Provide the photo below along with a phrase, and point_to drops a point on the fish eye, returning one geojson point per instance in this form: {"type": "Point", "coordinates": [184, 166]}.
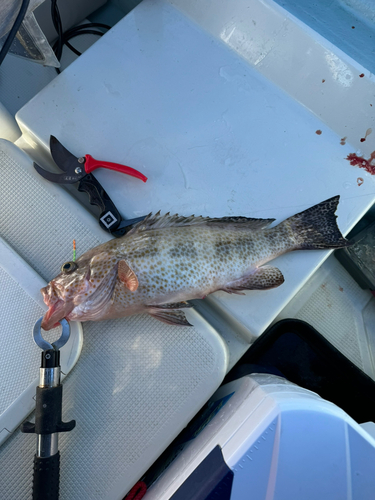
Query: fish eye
{"type": "Point", "coordinates": [68, 267]}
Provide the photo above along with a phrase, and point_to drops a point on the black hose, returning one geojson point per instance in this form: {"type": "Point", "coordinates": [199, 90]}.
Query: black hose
{"type": "Point", "coordinates": [63, 38]}
{"type": "Point", "coordinates": [56, 19]}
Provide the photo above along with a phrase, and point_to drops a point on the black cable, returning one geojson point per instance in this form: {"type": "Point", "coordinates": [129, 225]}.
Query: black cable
{"type": "Point", "coordinates": [73, 35]}
{"type": "Point", "coordinates": [12, 33]}
{"type": "Point", "coordinates": [82, 30]}
{"type": "Point", "coordinates": [88, 25]}
{"type": "Point", "coordinates": [73, 49]}
{"type": "Point", "coordinates": [63, 38]}
{"type": "Point", "coordinates": [86, 32]}
{"type": "Point", "coordinates": [56, 19]}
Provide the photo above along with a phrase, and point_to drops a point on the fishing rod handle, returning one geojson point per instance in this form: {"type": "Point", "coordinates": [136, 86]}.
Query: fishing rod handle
{"type": "Point", "coordinates": [46, 480]}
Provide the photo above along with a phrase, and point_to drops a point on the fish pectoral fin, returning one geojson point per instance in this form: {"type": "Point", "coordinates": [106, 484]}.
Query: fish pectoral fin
{"type": "Point", "coordinates": [263, 278]}
{"type": "Point", "coordinates": [169, 317]}
{"type": "Point", "coordinates": [127, 276]}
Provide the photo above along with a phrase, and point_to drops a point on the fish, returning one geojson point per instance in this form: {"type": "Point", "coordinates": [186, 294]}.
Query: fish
{"type": "Point", "coordinates": [167, 260]}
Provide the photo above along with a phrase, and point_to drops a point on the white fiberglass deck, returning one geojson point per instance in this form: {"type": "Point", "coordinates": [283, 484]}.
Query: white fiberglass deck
{"type": "Point", "coordinates": [229, 109]}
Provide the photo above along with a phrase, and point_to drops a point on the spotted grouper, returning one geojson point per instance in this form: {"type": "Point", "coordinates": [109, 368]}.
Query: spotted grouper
{"type": "Point", "coordinates": [164, 261]}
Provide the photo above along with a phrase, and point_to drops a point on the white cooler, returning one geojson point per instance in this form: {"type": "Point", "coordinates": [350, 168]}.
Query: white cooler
{"type": "Point", "coordinates": [264, 438]}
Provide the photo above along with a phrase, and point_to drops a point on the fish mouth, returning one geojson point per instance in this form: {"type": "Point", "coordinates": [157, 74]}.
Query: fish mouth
{"type": "Point", "coordinates": [58, 308]}
{"type": "Point", "coordinates": [81, 306]}
{"type": "Point", "coordinates": [52, 316]}
{"type": "Point", "coordinates": [55, 314]}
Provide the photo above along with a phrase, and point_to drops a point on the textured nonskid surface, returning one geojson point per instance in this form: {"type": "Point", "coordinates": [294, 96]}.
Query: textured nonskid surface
{"type": "Point", "coordinates": [18, 313]}
{"type": "Point", "coordinates": [132, 376]}
{"type": "Point", "coordinates": [333, 303]}
{"type": "Point", "coordinates": [137, 382]}
{"type": "Point", "coordinates": [34, 223]}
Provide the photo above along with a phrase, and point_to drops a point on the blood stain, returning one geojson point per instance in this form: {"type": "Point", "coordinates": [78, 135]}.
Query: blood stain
{"type": "Point", "coordinates": [368, 132]}
{"type": "Point", "coordinates": [353, 27]}
{"type": "Point", "coordinates": [318, 132]}
{"type": "Point", "coordinates": [359, 181]}
{"type": "Point", "coordinates": [323, 80]}
{"type": "Point", "coordinates": [343, 141]}
{"type": "Point", "coordinates": [361, 75]}
{"type": "Point", "coordinates": [341, 289]}
{"type": "Point", "coordinates": [359, 161]}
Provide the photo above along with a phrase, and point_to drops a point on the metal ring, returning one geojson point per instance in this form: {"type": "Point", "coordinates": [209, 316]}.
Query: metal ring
{"type": "Point", "coordinates": [43, 344]}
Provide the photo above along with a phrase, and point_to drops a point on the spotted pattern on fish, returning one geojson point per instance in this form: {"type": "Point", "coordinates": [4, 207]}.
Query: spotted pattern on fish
{"type": "Point", "coordinates": [175, 259]}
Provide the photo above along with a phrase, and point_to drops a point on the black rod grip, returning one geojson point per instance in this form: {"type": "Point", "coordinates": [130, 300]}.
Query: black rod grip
{"type": "Point", "coordinates": [46, 477]}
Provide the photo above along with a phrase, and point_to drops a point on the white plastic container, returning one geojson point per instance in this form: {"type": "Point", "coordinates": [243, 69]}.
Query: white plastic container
{"type": "Point", "coordinates": [281, 442]}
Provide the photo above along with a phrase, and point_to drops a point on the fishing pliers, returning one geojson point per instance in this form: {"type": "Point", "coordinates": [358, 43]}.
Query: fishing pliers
{"type": "Point", "coordinates": [79, 170]}
{"type": "Point", "coordinates": [48, 422]}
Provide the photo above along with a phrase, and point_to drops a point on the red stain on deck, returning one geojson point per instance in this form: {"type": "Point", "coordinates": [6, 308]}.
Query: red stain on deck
{"type": "Point", "coordinates": [318, 132]}
{"type": "Point", "coordinates": [360, 161]}
{"type": "Point", "coordinates": [359, 181]}
{"type": "Point", "coordinates": [343, 141]}
{"type": "Point", "coordinates": [361, 75]}
{"type": "Point", "coordinates": [368, 132]}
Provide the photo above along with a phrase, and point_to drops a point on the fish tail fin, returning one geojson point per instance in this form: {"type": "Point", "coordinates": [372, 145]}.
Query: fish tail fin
{"type": "Point", "coordinates": [316, 227]}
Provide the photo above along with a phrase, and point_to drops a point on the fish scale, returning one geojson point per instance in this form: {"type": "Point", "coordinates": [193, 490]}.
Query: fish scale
{"type": "Point", "coordinates": [167, 260]}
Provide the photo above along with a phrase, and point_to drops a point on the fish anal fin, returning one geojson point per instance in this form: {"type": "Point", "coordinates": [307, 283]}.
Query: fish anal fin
{"type": "Point", "coordinates": [127, 276]}
{"type": "Point", "coordinates": [173, 305]}
{"type": "Point", "coordinates": [232, 290]}
{"type": "Point", "coordinates": [263, 278]}
{"type": "Point", "coordinates": [170, 317]}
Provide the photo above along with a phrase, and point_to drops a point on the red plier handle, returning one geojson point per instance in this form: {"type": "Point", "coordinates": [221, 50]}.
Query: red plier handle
{"type": "Point", "coordinates": [91, 164]}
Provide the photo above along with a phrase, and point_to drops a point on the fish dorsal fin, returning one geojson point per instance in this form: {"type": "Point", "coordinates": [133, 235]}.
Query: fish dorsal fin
{"type": "Point", "coordinates": [127, 276]}
{"type": "Point", "coordinates": [158, 221]}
